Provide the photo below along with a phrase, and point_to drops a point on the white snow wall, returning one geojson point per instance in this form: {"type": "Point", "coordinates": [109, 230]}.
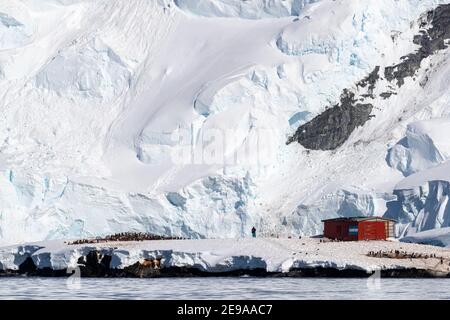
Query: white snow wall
{"type": "Point", "coordinates": [421, 208]}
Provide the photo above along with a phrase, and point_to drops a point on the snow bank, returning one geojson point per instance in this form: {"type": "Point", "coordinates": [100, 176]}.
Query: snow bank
{"type": "Point", "coordinates": [440, 172]}
{"type": "Point", "coordinates": [423, 196]}
{"type": "Point", "coordinates": [90, 71]}
{"type": "Point", "coordinates": [343, 31]}
{"type": "Point", "coordinates": [425, 145]}
{"type": "Point", "coordinates": [273, 255]}
{"type": "Point", "coordinates": [439, 237]}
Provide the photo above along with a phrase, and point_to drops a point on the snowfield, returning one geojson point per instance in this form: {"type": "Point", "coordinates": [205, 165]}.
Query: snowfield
{"type": "Point", "coordinates": [225, 255]}
{"type": "Point", "coordinates": [172, 116]}
{"type": "Point", "coordinates": [253, 9]}
{"type": "Point", "coordinates": [439, 237]}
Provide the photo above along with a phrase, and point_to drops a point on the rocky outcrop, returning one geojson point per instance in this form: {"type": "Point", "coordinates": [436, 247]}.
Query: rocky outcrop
{"type": "Point", "coordinates": [27, 267]}
{"type": "Point", "coordinates": [147, 269]}
{"type": "Point", "coordinates": [94, 264]}
{"type": "Point", "coordinates": [432, 38]}
{"type": "Point", "coordinates": [329, 130]}
{"type": "Point", "coordinates": [332, 128]}
{"type": "Point", "coordinates": [370, 81]}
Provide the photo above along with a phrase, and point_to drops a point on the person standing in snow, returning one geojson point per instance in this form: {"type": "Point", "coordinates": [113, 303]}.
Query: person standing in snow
{"type": "Point", "coordinates": [254, 232]}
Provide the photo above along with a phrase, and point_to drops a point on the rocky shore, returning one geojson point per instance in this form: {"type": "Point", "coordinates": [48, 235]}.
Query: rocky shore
{"type": "Point", "coordinates": [226, 258]}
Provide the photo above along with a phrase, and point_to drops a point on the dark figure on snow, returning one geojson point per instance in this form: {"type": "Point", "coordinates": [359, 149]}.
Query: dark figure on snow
{"type": "Point", "coordinates": [254, 232]}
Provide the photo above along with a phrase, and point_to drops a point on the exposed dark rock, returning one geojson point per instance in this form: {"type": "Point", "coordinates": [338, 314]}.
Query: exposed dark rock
{"type": "Point", "coordinates": [332, 128]}
{"type": "Point", "coordinates": [27, 267]}
{"type": "Point", "coordinates": [370, 81]}
{"type": "Point", "coordinates": [327, 272]}
{"type": "Point", "coordinates": [148, 269]}
{"type": "Point", "coordinates": [194, 272]}
{"type": "Point", "coordinates": [329, 130]}
{"type": "Point", "coordinates": [387, 95]}
{"type": "Point", "coordinates": [412, 273]}
{"type": "Point", "coordinates": [432, 38]}
{"type": "Point", "coordinates": [356, 273]}
{"type": "Point", "coordinates": [94, 264]}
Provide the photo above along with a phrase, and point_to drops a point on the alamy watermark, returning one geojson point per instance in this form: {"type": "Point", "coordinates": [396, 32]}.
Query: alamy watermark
{"type": "Point", "coordinates": [73, 282]}
{"type": "Point", "coordinates": [374, 281]}
{"type": "Point", "coordinates": [212, 146]}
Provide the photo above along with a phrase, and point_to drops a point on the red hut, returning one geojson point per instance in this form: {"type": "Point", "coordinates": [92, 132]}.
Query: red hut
{"type": "Point", "coordinates": [359, 228]}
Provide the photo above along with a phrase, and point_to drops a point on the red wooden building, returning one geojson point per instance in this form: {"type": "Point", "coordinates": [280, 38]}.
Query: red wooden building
{"type": "Point", "coordinates": [359, 228]}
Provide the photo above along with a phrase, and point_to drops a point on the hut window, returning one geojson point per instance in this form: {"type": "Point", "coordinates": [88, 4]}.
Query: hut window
{"type": "Point", "coordinates": [353, 230]}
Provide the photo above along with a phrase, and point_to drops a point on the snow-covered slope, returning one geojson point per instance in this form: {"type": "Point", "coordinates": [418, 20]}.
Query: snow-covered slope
{"type": "Point", "coordinates": [172, 116]}
{"type": "Point", "coordinates": [425, 145]}
{"type": "Point", "coordinates": [438, 237]}
{"type": "Point", "coordinates": [247, 9]}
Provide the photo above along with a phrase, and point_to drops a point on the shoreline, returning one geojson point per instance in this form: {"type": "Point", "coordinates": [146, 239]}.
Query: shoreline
{"type": "Point", "coordinates": [176, 272]}
{"type": "Point", "coordinates": [262, 257]}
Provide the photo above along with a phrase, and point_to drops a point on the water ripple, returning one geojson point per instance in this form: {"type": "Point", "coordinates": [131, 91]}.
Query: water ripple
{"type": "Point", "coordinates": [223, 288]}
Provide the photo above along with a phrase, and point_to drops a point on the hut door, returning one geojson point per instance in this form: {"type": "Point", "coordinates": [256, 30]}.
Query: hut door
{"type": "Point", "coordinates": [372, 230]}
{"type": "Point", "coordinates": [339, 230]}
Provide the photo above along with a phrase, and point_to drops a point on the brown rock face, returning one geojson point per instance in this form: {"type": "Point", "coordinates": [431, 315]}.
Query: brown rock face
{"type": "Point", "coordinates": [332, 128]}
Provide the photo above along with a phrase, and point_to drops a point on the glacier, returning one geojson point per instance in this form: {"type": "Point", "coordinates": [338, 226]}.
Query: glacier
{"type": "Point", "coordinates": [172, 116]}
{"type": "Point", "coordinates": [425, 145]}
{"type": "Point", "coordinates": [437, 237]}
